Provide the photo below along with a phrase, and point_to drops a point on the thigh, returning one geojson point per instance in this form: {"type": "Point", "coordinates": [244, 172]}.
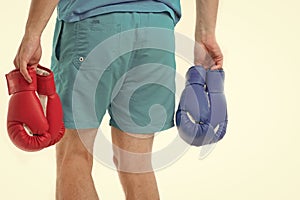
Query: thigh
{"type": "Point", "coordinates": [132, 152]}
{"type": "Point", "coordinates": [138, 143]}
{"type": "Point", "coordinates": [76, 142]}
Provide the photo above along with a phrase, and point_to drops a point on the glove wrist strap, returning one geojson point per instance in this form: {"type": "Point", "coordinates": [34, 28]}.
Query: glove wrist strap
{"type": "Point", "coordinates": [17, 83]}
{"type": "Point", "coordinates": [45, 81]}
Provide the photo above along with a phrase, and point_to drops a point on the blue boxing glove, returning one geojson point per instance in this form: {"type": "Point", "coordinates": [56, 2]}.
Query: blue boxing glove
{"type": "Point", "coordinates": [198, 111]}
{"type": "Point", "coordinates": [193, 114]}
{"type": "Point", "coordinates": [218, 106]}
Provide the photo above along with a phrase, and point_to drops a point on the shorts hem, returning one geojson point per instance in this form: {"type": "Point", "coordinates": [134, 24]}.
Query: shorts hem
{"type": "Point", "coordinates": [134, 131]}
{"type": "Point", "coordinates": [81, 125]}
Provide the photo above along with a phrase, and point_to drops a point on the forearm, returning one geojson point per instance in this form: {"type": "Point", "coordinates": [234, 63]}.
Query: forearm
{"type": "Point", "coordinates": [39, 15]}
{"type": "Point", "coordinates": [206, 17]}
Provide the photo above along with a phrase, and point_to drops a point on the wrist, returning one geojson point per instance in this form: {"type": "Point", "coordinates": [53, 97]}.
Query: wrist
{"type": "Point", "coordinates": [204, 32]}
{"type": "Point", "coordinates": [205, 37]}
{"type": "Point", "coordinates": [32, 32]}
{"type": "Point", "coordinates": [32, 37]}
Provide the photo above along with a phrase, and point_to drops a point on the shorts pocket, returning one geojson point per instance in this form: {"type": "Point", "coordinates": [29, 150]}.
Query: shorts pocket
{"type": "Point", "coordinates": [57, 41]}
{"type": "Point", "coordinates": [95, 41]}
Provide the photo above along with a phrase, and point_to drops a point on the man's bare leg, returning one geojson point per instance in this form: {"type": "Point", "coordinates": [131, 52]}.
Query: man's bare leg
{"type": "Point", "coordinates": [74, 166]}
{"type": "Point", "coordinates": [132, 157]}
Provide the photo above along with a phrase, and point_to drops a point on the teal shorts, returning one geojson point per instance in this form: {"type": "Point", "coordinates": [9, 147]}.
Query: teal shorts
{"type": "Point", "coordinates": [123, 63]}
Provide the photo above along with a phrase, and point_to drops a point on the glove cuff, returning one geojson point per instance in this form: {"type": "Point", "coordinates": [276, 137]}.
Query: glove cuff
{"type": "Point", "coordinates": [17, 83]}
{"type": "Point", "coordinates": [195, 75]}
{"type": "Point", "coordinates": [45, 81]}
{"type": "Point", "coordinates": [215, 81]}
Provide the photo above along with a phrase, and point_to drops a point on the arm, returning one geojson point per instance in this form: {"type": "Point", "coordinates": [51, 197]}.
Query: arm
{"type": "Point", "coordinates": [207, 51]}
{"type": "Point", "coordinates": [30, 52]}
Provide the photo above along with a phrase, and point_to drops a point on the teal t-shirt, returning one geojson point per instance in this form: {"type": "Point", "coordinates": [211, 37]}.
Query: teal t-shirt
{"type": "Point", "coordinates": [76, 10]}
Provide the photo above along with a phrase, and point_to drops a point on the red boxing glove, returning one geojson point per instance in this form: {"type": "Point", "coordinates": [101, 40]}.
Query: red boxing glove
{"type": "Point", "coordinates": [25, 110]}
{"type": "Point", "coordinates": [54, 113]}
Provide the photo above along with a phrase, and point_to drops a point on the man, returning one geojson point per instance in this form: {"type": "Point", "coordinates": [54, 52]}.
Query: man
{"type": "Point", "coordinates": [82, 27]}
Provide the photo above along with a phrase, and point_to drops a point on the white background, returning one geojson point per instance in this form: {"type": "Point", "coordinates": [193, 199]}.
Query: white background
{"type": "Point", "coordinates": [258, 158]}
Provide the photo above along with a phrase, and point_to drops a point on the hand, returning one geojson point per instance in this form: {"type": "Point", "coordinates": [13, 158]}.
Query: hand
{"type": "Point", "coordinates": [208, 54]}
{"type": "Point", "coordinates": [29, 54]}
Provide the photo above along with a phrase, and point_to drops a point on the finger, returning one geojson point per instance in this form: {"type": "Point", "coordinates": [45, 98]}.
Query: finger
{"type": "Point", "coordinates": [31, 65]}
{"type": "Point", "coordinates": [216, 67]}
{"type": "Point", "coordinates": [218, 64]}
{"type": "Point", "coordinates": [15, 63]}
{"type": "Point", "coordinates": [24, 72]}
